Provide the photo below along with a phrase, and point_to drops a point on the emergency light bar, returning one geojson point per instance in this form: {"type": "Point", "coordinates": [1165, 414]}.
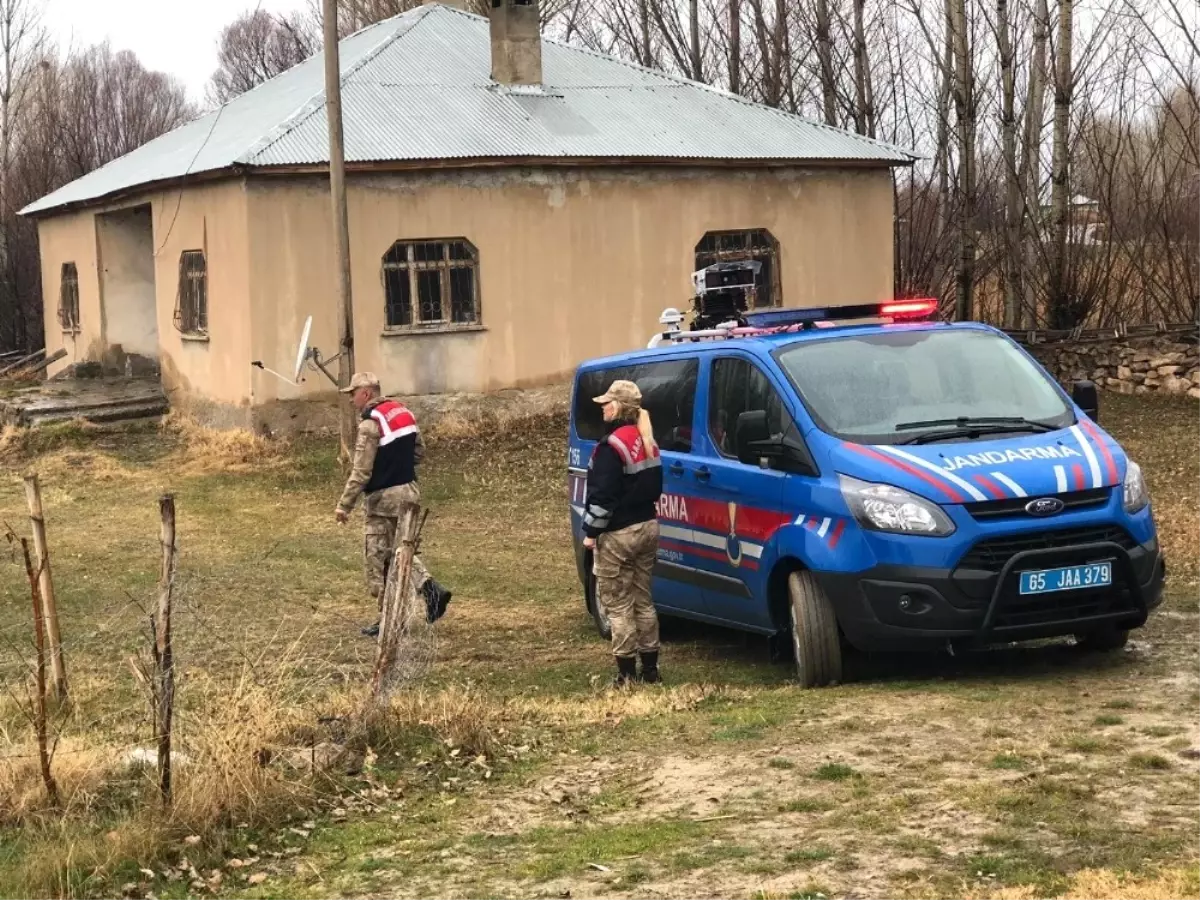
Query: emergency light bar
{"type": "Point", "coordinates": [783, 321]}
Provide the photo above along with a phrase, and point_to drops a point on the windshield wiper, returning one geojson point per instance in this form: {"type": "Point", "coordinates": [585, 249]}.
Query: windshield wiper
{"type": "Point", "coordinates": [971, 426]}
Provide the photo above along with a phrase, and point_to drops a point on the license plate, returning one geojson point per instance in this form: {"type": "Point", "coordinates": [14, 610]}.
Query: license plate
{"type": "Point", "coordinates": [1070, 578]}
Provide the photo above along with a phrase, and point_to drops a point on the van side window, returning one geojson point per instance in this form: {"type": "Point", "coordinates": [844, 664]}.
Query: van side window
{"type": "Point", "coordinates": [668, 394]}
{"type": "Point", "coordinates": [739, 386]}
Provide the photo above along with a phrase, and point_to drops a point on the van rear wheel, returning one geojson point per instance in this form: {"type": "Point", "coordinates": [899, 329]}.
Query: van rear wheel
{"type": "Point", "coordinates": [815, 642]}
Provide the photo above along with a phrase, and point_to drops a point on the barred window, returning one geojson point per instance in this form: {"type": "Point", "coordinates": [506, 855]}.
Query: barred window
{"type": "Point", "coordinates": [756, 244]}
{"type": "Point", "coordinates": [191, 301]}
{"type": "Point", "coordinates": [431, 282]}
{"type": "Point", "coordinates": [68, 298]}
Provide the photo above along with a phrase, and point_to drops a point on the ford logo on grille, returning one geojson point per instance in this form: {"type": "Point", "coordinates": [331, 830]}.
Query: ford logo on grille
{"type": "Point", "coordinates": [1044, 506]}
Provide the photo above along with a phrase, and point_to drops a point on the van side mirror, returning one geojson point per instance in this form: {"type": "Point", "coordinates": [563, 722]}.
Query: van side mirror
{"type": "Point", "coordinates": [750, 435]}
{"type": "Point", "coordinates": [754, 443]}
{"type": "Point", "coordinates": [1087, 398]}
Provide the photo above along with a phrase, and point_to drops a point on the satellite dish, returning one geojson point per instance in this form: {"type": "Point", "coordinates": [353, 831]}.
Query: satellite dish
{"type": "Point", "coordinates": [302, 350]}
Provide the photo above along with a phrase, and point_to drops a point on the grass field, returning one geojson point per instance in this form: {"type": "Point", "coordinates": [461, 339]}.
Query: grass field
{"type": "Point", "coordinates": [512, 771]}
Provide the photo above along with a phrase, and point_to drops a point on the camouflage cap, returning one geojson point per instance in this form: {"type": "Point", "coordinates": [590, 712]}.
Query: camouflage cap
{"type": "Point", "coordinates": [361, 380]}
{"type": "Point", "coordinates": [624, 392]}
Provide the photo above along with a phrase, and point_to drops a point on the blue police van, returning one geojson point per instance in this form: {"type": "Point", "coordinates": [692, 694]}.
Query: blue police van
{"type": "Point", "coordinates": [866, 476]}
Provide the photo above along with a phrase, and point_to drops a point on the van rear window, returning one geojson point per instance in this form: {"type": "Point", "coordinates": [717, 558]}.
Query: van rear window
{"type": "Point", "coordinates": [668, 394]}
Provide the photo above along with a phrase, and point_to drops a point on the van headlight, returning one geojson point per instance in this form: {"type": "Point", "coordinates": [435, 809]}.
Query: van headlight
{"type": "Point", "coordinates": [1136, 497]}
{"type": "Point", "coordinates": [882, 507]}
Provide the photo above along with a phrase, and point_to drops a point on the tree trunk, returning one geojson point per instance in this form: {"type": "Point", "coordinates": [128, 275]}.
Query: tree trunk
{"type": "Point", "coordinates": [964, 104]}
{"type": "Point", "coordinates": [1061, 315]}
{"type": "Point", "coordinates": [864, 114]}
{"type": "Point", "coordinates": [1011, 266]}
{"type": "Point", "coordinates": [825, 55]}
{"type": "Point", "coordinates": [735, 46]}
{"type": "Point", "coordinates": [694, 16]}
{"type": "Point", "coordinates": [1031, 167]}
{"type": "Point", "coordinates": [942, 160]}
{"type": "Point", "coordinates": [644, 21]}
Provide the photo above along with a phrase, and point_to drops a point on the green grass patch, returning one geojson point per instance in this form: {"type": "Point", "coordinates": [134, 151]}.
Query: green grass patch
{"type": "Point", "coordinates": [835, 772]}
{"type": "Point", "coordinates": [1009, 761]}
{"type": "Point", "coordinates": [1150, 761]}
{"type": "Point", "coordinates": [817, 853]}
{"type": "Point", "coordinates": [780, 763]}
{"type": "Point", "coordinates": [1105, 720]}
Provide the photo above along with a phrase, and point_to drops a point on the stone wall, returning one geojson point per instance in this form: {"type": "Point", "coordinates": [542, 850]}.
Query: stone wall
{"type": "Point", "coordinates": [1164, 364]}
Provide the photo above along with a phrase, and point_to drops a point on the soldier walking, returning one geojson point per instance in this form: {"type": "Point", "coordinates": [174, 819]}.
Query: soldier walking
{"type": "Point", "coordinates": [620, 525]}
{"type": "Point", "coordinates": [387, 450]}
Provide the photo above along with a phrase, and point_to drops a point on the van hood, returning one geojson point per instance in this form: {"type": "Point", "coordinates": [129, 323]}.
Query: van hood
{"type": "Point", "coordinates": [1081, 457]}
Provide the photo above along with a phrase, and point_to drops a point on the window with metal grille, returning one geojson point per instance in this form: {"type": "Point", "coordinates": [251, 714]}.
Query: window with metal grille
{"type": "Point", "coordinates": [68, 298]}
{"type": "Point", "coordinates": [757, 244]}
{"type": "Point", "coordinates": [191, 301]}
{"type": "Point", "coordinates": [431, 282]}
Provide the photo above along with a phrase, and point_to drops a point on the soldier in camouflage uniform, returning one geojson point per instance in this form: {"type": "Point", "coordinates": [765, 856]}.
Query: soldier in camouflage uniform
{"type": "Point", "coordinates": [386, 453]}
{"type": "Point", "coordinates": [620, 526]}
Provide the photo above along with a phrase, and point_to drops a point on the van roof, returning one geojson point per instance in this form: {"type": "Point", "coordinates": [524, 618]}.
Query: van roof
{"type": "Point", "coordinates": [767, 343]}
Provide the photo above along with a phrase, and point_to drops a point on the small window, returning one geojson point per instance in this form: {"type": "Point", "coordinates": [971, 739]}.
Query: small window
{"type": "Point", "coordinates": [668, 394]}
{"type": "Point", "coordinates": [68, 298]}
{"type": "Point", "coordinates": [191, 303]}
{"type": "Point", "coordinates": [757, 244]}
{"type": "Point", "coordinates": [430, 283]}
{"type": "Point", "coordinates": [739, 386]}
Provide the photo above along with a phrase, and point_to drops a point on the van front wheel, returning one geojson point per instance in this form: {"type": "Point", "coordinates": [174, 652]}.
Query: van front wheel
{"type": "Point", "coordinates": [814, 632]}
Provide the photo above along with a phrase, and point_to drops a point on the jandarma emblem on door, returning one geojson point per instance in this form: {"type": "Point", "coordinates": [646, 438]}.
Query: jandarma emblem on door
{"type": "Point", "coordinates": [733, 547]}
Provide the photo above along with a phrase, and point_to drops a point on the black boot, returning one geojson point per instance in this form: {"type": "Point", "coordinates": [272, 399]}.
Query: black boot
{"type": "Point", "coordinates": [650, 667]}
{"type": "Point", "coordinates": [437, 598]}
{"type": "Point", "coordinates": [373, 631]}
{"type": "Point", "coordinates": [626, 670]}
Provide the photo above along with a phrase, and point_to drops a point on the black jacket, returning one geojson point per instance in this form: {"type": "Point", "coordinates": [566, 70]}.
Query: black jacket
{"type": "Point", "coordinates": [623, 483]}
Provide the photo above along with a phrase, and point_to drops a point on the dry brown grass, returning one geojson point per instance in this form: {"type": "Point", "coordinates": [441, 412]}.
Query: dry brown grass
{"type": "Point", "coordinates": [1105, 884]}
{"type": "Point", "coordinates": [202, 450]}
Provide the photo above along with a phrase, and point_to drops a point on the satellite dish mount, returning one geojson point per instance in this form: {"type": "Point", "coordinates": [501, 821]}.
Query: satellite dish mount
{"type": "Point", "coordinates": [304, 354]}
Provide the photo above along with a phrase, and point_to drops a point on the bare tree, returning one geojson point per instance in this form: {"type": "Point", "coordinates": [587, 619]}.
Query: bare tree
{"type": "Point", "coordinates": [256, 47]}
{"type": "Point", "coordinates": [1062, 313]}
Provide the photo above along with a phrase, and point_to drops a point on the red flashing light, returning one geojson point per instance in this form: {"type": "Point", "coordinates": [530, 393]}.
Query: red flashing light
{"type": "Point", "coordinates": [909, 309]}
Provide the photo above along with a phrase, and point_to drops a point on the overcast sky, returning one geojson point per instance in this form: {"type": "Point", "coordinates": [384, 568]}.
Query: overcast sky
{"type": "Point", "coordinates": [168, 36]}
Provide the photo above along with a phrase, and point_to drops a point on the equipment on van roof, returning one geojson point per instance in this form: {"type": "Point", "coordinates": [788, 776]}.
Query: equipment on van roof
{"type": "Point", "coordinates": [724, 292]}
{"type": "Point", "coordinates": [707, 326]}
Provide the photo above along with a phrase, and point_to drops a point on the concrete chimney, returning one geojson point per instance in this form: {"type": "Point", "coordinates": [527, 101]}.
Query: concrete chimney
{"type": "Point", "coordinates": [516, 42]}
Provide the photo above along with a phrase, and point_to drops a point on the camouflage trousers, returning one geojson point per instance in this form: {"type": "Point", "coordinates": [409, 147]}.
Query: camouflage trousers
{"type": "Point", "coordinates": [381, 517]}
{"type": "Point", "coordinates": [623, 567]}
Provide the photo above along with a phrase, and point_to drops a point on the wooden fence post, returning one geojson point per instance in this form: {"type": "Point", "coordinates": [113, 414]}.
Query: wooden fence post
{"type": "Point", "coordinates": [39, 707]}
{"type": "Point", "coordinates": [58, 666]}
{"type": "Point", "coordinates": [395, 599]}
{"type": "Point", "coordinates": [164, 663]}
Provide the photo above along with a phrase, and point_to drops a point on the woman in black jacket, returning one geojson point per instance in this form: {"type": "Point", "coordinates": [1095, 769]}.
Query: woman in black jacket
{"type": "Point", "coordinates": [620, 525]}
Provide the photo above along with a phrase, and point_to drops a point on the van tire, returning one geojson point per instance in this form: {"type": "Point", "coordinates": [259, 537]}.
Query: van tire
{"type": "Point", "coordinates": [1103, 639]}
{"type": "Point", "coordinates": [599, 619]}
{"type": "Point", "coordinates": [815, 640]}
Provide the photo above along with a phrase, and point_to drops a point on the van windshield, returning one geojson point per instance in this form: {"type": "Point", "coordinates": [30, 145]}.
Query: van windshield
{"type": "Point", "coordinates": [911, 386]}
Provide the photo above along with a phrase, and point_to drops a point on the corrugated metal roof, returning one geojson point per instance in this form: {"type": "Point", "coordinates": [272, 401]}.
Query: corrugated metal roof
{"type": "Point", "coordinates": [417, 87]}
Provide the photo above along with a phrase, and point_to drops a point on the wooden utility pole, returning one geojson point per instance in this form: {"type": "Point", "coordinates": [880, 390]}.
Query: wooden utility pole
{"type": "Point", "coordinates": [341, 224]}
{"type": "Point", "coordinates": [58, 666]}
{"type": "Point", "coordinates": [164, 658]}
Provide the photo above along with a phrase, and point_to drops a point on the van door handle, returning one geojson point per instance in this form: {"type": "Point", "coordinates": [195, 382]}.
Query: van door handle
{"type": "Point", "coordinates": [676, 469]}
{"type": "Point", "coordinates": [703, 473]}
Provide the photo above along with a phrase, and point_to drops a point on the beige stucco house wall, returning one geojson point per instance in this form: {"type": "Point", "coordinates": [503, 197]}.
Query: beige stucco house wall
{"type": "Point", "coordinates": [572, 263]}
